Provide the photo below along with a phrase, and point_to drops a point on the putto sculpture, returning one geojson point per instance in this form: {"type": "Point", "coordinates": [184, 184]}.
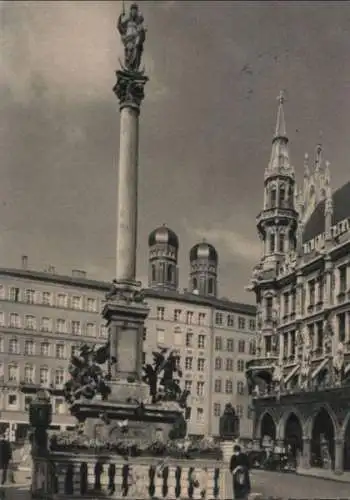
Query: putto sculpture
{"type": "Point", "coordinates": [159, 376]}
{"type": "Point", "coordinates": [133, 35]}
{"type": "Point", "coordinates": [87, 376]}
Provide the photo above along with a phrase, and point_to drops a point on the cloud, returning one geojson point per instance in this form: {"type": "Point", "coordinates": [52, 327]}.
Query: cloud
{"type": "Point", "coordinates": [235, 243]}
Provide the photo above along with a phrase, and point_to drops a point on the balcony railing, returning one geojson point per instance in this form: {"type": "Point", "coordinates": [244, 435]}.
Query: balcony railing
{"type": "Point", "coordinates": [90, 476]}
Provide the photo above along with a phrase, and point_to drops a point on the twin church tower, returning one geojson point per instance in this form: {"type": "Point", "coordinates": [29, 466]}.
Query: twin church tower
{"type": "Point", "coordinates": [163, 246]}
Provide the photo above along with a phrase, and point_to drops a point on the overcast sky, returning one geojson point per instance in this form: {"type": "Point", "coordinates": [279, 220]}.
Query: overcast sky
{"type": "Point", "coordinates": [215, 71]}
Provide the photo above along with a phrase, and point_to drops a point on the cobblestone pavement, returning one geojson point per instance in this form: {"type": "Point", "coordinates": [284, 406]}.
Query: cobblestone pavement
{"type": "Point", "coordinates": [287, 486]}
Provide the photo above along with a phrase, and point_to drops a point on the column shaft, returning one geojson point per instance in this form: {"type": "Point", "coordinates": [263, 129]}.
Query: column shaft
{"type": "Point", "coordinates": [127, 194]}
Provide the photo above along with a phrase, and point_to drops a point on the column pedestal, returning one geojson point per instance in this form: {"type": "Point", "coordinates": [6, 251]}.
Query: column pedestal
{"type": "Point", "coordinates": [227, 450]}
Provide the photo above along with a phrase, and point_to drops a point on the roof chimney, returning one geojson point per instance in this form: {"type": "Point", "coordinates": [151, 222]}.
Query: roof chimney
{"type": "Point", "coordinates": [78, 273]}
{"type": "Point", "coordinates": [24, 262]}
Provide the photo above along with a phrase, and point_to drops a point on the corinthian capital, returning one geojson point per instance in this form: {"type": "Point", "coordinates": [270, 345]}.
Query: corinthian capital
{"type": "Point", "coordinates": [130, 89]}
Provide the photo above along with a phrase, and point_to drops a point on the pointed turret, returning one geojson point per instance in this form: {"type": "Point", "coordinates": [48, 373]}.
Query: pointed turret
{"type": "Point", "coordinates": [279, 161]}
{"type": "Point", "coordinates": [328, 208]}
{"type": "Point", "coordinates": [278, 221]}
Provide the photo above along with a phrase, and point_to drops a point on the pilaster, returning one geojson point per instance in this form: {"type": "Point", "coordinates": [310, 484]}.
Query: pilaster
{"type": "Point", "coordinates": [306, 454]}
{"type": "Point", "coordinates": [339, 456]}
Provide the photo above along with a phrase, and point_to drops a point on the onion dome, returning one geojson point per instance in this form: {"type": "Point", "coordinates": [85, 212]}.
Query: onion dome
{"type": "Point", "coordinates": [341, 210]}
{"type": "Point", "coordinates": [163, 235]}
{"type": "Point", "coordinates": [203, 251]}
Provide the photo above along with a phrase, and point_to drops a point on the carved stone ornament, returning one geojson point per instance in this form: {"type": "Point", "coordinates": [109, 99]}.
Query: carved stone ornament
{"type": "Point", "coordinates": [130, 89]}
{"type": "Point", "coordinates": [139, 481]}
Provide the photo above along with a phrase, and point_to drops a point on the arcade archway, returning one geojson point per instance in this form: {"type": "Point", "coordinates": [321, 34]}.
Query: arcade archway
{"type": "Point", "coordinates": [347, 446]}
{"type": "Point", "coordinates": [267, 429]}
{"type": "Point", "coordinates": [322, 440]}
{"type": "Point", "coordinates": [293, 435]}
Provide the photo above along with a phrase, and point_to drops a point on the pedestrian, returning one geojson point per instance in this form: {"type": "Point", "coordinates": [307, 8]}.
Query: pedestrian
{"type": "Point", "coordinates": [5, 457]}
{"type": "Point", "coordinates": [239, 468]}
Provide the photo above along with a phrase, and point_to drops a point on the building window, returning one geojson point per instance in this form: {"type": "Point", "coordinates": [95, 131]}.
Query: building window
{"type": "Point", "coordinates": [45, 349]}
{"type": "Point", "coordinates": [1, 344]}
{"type": "Point", "coordinates": [60, 351]}
{"type": "Point", "coordinates": [61, 300]}
{"type": "Point", "coordinates": [153, 272]}
{"type": "Point", "coordinates": [269, 305]}
{"type": "Point", "coordinates": [218, 318]}
{"type": "Point", "coordinates": [160, 313]}
{"type": "Point", "coordinates": [27, 401]}
{"type": "Point", "coordinates": [252, 348]}
{"type": "Point", "coordinates": [45, 325]}
{"type": "Point", "coordinates": [252, 324]}
{"type": "Point", "coordinates": [239, 411]}
{"type": "Point", "coordinates": [218, 343]}
{"type": "Point", "coordinates": [59, 406]}
{"type": "Point", "coordinates": [61, 326]}
{"type": "Point", "coordinates": [30, 322]}
{"type": "Point", "coordinates": [218, 363]}
{"type": "Point", "coordinates": [228, 387]}
{"type": "Point", "coordinates": [90, 329]}
{"type": "Point", "coordinates": [273, 198]}
{"type": "Point", "coordinates": [29, 374]}
{"type": "Point", "coordinates": [229, 345]}
{"type": "Point", "coordinates": [14, 294]}
{"type": "Point", "coordinates": [201, 341]}
{"type": "Point", "coordinates": [160, 336]}
{"type": "Point", "coordinates": [12, 400]}
{"type": "Point", "coordinates": [76, 328]}
{"type": "Point", "coordinates": [189, 339]}
{"type": "Point", "coordinates": [59, 376]}
{"type": "Point", "coordinates": [342, 279]}
{"type": "Point", "coordinates": [200, 364]}
{"type": "Point", "coordinates": [15, 320]}
{"type": "Point", "coordinates": [217, 410]}
{"type": "Point", "coordinates": [103, 331]}
{"type": "Point", "coordinates": [177, 337]}
{"type": "Point", "coordinates": [13, 373]}
{"type": "Point", "coordinates": [281, 242]}
{"type": "Point", "coordinates": [240, 388]}
{"type": "Point", "coordinates": [91, 305]}
{"type": "Point", "coordinates": [143, 358]}
{"type": "Point", "coordinates": [241, 346]}
{"type": "Point", "coordinates": [189, 317]}
{"type": "Point", "coordinates": [230, 320]}
{"type": "Point", "coordinates": [29, 348]}
{"type": "Point", "coordinates": [47, 298]}
{"type": "Point", "coordinates": [201, 319]}
{"type": "Point", "coordinates": [272, 243]}
{"type": "Point", "coordinates": [188, 363]}
{"type": "Point", "coordinates": [29, 296]}
{"type": "Point", "coordinates": [144, 334]}
{"type": "Point", "coordinates": [44, 375]}
{"type": "Point", "coordinates": [200, 388]}
{"type": "Point", "coordinates": [2, 292]}
{"type": "Point", "coordinates": [188, 385]}
{"type": "Point", "coordinates": [241, 323]}
{"type": "Point", "coordinates": [240, 365]}
{"type": "Point", "coordinates": [13, 346]}
{"type": "Point", "coordinates": [76, 302]}
{"type": "Point", "coordinates": [177, 314]}
{"type": "Point", "coordinates": [312, 292]}
{"type": "Point", "coordinates": [341, 327]}
{"type": "Point", "coordinates": [200, 414]}
{"type": "Point", "coordinates": [217, 385]}
{"type": "Point", "coordinates": [210, 286]}
{"type": "Point", "coordinates": [229, 365]}
{"type": "Point", "coordinates": [2, 319]}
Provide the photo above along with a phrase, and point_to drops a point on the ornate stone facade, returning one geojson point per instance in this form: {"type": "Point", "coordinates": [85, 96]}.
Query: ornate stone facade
{"type": "Point", "coordinates": [301, 373]}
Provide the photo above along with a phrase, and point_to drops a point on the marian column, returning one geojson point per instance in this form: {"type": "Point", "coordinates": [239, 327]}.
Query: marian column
{"type": "Point", "coordinates": [125, 310]}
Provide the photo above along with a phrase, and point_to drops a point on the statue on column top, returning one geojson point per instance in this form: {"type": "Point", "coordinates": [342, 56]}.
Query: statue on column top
{"type": "Point", "coordinates": [133, 35]}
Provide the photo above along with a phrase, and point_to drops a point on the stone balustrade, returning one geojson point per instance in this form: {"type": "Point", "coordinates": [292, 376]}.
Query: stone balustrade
{"type": "Point", "coordinates": [67, 475]}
